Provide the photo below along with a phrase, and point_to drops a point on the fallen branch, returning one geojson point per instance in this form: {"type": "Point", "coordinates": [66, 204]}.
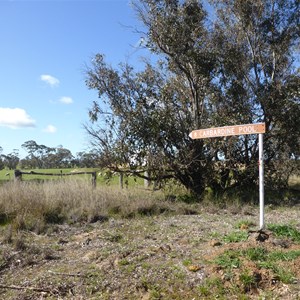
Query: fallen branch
{"type": "Point", "coordinates": [16, 287]}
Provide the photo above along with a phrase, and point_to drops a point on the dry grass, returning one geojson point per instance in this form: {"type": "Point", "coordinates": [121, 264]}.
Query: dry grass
{"type": "Point", "coordinates": [294, 182]}
{"type": "Point", "coordinates": [31, 206]}
{"type": "Point", "coordinates": [65, 240]}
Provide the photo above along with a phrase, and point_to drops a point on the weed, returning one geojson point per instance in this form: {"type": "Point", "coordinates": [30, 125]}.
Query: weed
{"type": "Point", "coordinates": [287, 231]}
{"type": "Point", "coordinates": [284, 256]}
{"type": "Point", "coordinates": [235, 237]}
{"type": "Point", "coordinates": [146, 266]}
{"type": "Point", "coordinates": [285, 276]}
{"type": "Point", "coordinates": [204, 290]}
{"type": "Point", "coordinates": [129, 268]}
{"type": "Point", "coordinates": [266, 264]}
{"type": "Point", "coordinates": [155, 293]}
{"type": "Point", "coordinates": [255, 254]}
{"type": "Point", "coordinates": [187, 262]}
{"type": "Point", "coordinates": [229, 260]}
{"type": "Point", "coordinates": [212, 287]}
{"type": "Point", "coordinates": [123, 262]}
{"type": "Point", "coordinates": [248, 280]}
{"type": "Point", "coordinates": [215, 235]}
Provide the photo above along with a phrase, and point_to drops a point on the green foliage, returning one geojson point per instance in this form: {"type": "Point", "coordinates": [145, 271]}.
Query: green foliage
{"type": "Point", "coordinates": [248, 280]}
{"type": "Point", "coordinates": [255, 254]}
{"type": "Point", "coordinates": [284, 275]}
{"type": "Point", "coordinates": [284, 256]}
{"type": "Point", "coordinates": [213, 287]}
{"type": "Point", "coordinates": [281, 273]}
{"type": "Point", "coordinates": [287, 231]}
{"type": "Point", "coordinates": [238, 71]}
{"type": "Point", "coordinates": [229, 260]}
{"type": "Point", "coordinates": [187, 262]}
{"type": "Point", "coordinates": [232, 259]}
{"type": "Point", "coordinates": [235, 237]}
{"type": "Point", "coordinates": [124, 262]}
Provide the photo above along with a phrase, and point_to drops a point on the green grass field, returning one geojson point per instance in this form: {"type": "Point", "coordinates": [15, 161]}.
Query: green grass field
{"type": "Point", "coordinates": [103, 177]}
{"type": "Point", "coordinates": [9, 174]}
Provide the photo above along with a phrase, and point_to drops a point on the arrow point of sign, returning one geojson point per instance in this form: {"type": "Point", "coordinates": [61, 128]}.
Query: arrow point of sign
{"type": "Point", "coordinates": [191, 135]}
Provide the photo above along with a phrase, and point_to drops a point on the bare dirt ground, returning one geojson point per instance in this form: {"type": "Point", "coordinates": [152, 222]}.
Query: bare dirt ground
{"type": "Point", "coordinates": [155, 257]}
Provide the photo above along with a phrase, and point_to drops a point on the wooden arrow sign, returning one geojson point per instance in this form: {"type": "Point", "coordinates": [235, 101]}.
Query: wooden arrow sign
{"type": "Point", "coordinates": [228, 131]}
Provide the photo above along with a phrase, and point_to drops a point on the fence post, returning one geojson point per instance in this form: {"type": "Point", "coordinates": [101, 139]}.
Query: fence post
{"type": "Point", "coordinates": [147, 182]}
{"type": "Point", "coordinates": [94, 179]}
{"type": "Point", "coordinates": [121, 180]}
{"type": "Point", "coordinates": [18, 175]}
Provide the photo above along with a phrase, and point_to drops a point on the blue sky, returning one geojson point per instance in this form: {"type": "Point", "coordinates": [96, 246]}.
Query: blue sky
{"type": "Point", "coordinates": [45, 46]}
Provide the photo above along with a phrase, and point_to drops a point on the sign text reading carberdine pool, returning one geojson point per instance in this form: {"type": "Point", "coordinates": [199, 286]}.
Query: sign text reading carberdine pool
{"type": "Point", "coordinates": [228, 131]}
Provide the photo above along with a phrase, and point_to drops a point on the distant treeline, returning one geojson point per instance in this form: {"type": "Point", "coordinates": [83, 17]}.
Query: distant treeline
{"type": "Point", "coordinates": [41, 156]}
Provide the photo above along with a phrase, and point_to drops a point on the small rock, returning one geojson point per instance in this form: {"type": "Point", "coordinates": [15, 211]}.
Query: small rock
{"type": "Point", "coordinates": [215, 243]}
{"type": "Point", "coordinates": [194, 268]}
{"type": "Point", "coordinates": [281, 243]}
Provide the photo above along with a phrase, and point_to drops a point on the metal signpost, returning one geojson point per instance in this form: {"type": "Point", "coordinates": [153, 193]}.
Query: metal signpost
{"type": "Point", "coordinates": [258, 128]}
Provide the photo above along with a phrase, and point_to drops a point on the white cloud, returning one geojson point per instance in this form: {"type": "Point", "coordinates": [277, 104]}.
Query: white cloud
{"type": "Point", "coordinates": [52, 81]}
{"type": "Point", "coordinates": [50, 129]}
{"type": "Point", "coordinates": [66, 100]}
{"type": "Point", "coordinates": [15, 118]}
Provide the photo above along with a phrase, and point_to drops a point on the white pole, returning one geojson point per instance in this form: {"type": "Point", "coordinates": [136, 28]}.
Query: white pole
{"type": "Point", "coordinates": [261, 180]}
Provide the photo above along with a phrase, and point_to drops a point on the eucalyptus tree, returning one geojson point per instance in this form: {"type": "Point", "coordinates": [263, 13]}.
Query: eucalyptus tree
{"type": "Point", "coordinates": [257, 45]}
{"type": "Point", "coordinates": [150, 113]}
{"type": "Point", "coordinates": [41, 156]}
{"type": "Point", "coordinates": [11, 160]}
{"type": "Point", "coordinates": [237, 69]}
{"type": "Point", "coordinates": [2, 166]}
{"type": "Point", "coordinates": [37, 154]}
{"type": "Point", "coordinates": [86, 159]}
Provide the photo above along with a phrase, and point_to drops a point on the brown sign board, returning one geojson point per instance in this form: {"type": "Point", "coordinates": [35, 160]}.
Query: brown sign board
{"type": "Point", "coordinates": [228, 131]}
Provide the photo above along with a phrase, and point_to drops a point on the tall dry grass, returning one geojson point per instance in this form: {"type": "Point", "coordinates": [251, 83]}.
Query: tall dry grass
{"type": "Point", "coordinates": [33, 206]}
